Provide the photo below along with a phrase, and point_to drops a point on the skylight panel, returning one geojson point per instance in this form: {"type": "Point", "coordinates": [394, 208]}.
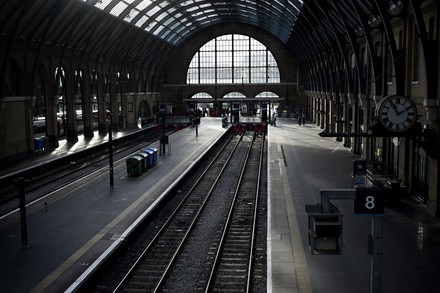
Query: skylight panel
{"type": "Point", "coordinates": [158, 30]}
{"type": "Point", "coordinates": [165, 33]}
{"type": "Point", "coordinates": [169, 21]}
{"type": "Point", "coordinates": [141, 21]}
{"type": "Point", "coordinates": [153, 10]}
{"type": "Point", "coordinates": [205, 5]}
{"type": "Point", "coordinates": [209, 11]}
{"type": "Point", "coordinates": [175, 39]}
{"type": "Point", "coordinates": [192, 8]}
{"type": "Point", "coordinates": [161, 16]}
{"type": "Point", "coordinates": [131, 15]}
{"type": "Point", "coordinates": [187, 3]}
{"type": "Point", "coordinates": [175, 26]}
{"type": "Point", "coordinates": [151, 25]}
{"type": "Point", "coordinates": [184, 19]}
{"type": "Point", "coordinates": [119, 8]}
{"type": "Point", "coordinates": [171, 9]}
{"type": "Point", "coordinates": [102, 4]}
{"type": "Point", "coordinates": [180, 29]}
{"type": "Point", "coordinates": [143, 4]}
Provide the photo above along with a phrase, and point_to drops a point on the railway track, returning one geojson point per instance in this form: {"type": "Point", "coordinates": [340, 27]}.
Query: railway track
{"type": "Point", "coordinates": [233, 263]}
{"type": "Point", "coordinates": [207, 243]}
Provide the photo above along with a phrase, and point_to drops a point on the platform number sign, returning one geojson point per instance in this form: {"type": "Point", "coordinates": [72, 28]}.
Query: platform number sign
{"type": "Point", "coordinates": [369, 201]}
{"type": "Point", "coordinates": [359, 167]}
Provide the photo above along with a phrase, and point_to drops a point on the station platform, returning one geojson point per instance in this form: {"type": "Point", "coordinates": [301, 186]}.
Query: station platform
{"type": "Point", "coordinates": [301, 164]}
{"type": "Point", "coordinates": [71, 232]}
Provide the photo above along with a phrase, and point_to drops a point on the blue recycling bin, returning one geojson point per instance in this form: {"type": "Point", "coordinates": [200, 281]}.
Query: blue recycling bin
{"type": "Point", "coordinates": [39, 143]}
{"type": "Point", "coordinates": [150, 156]}
{"type": "Point", "coordinates": [154, 154]}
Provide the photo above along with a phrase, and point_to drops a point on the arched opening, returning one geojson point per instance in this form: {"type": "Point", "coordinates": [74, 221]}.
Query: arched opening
{"type": "Point", "coordinates": [39, 107]}
{"type": "Point", "coordinates": [233, 58]}
{"type": "Point", "coordinates": [204, 104]}
{"type": "Point", "coordinates": [60, 91]}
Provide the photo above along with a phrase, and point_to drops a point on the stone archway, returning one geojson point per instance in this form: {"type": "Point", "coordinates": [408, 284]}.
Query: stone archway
{"type": "Point", "coordinates": [144, 112]}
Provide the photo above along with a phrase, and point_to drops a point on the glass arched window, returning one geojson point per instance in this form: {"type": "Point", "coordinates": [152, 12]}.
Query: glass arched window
{"type": "Point", "coordinates": [202, 96]}
{"type": "Point", "coordinates": [235, 95]}
{"type": "Point", "coordinates": [233, 59]}
{"type": "Point", "coordinates": [267, 95]}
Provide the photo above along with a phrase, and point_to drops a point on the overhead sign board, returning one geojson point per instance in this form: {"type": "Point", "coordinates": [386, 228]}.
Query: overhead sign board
{"type": "Point", "coordinates": [369, 201]}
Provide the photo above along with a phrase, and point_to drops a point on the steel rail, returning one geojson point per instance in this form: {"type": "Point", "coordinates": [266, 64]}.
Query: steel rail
{"type": "Point", "coordinates": [139, 260]}
{"type": "Point", "coordinates": [228, 221]}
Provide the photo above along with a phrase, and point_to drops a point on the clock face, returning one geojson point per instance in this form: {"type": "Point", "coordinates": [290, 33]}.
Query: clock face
{"type": "Point", "coordinates": [397, 113]}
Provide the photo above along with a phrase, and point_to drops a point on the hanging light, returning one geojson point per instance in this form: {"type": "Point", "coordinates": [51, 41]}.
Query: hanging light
{"type": "Point", "coordinates": [395, 7]}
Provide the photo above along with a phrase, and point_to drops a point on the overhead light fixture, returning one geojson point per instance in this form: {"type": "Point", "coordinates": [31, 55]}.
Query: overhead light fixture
{"type": "Point", "coordinates": [395, 7]}
{"type": "Point", "coordinates": [374, 20]}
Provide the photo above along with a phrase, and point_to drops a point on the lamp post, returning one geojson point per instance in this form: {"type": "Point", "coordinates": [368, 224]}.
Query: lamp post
{"type": "Point", "coordinates": [21, 183]}
{"type": "Point", "coordinates": [110, 152]}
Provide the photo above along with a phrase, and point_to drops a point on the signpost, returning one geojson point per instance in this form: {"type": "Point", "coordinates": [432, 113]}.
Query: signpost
{"type": "Point", "coordinates": [368, 201]}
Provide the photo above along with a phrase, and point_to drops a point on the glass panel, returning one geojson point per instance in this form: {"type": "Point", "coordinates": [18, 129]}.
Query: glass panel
{"type": "Point", "coordinates": [241, 58]}
{"type": "Point", "coordinates": [193, 75]}
{"type": "Point", "coordinates": [102, 4]}
{"type": "Point", "coordinates": [241, 75]}
{"type": "Point", "coordinates": [131, 15]}
{"type": "Point", "coordinates": [258, 75]}
{"type": "Point", "coordinates": [207, 59]}
{"type": "Point", "coordinates": [141, 21]}
{"type": "Point", "coordinates": [153, 10]}
{"type": "Point", "coordinates": [258, 58]}
{"type": "Point", "coordinates": [224, 75]}
{"type": "Point", "coordinates": [144, 4]}
{"type": "Point", "coordinates": [159, 30]}
{"type": "Point", "coordinates": [224, 59]}
{"type": "Point", "coordinates": [207, 75]}
{"type": "Point", "coordinates": [119, 8]}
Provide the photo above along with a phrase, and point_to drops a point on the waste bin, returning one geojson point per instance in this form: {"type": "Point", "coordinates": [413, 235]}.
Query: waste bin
{"type": "Point", "coordinates": [150, 156]}
{"type": "Point", "coordinates": [154, 154]}
{"type": "Point", "coordinates": [39, 143]}
{"type": "Point", "coordinates": [46, 142]}
{"type": "Point", "coordinates": [134, 165]}
{"type": "Point", "coordinates": [144, 160]}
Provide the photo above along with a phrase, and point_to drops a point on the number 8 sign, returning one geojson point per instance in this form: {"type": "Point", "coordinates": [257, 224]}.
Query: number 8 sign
{"type": "Point", "coordinates": [369, 201]}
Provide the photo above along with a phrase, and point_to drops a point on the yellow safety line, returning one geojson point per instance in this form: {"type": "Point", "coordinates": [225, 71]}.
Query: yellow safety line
{"type": "Point", "coordinates": [299, 259]}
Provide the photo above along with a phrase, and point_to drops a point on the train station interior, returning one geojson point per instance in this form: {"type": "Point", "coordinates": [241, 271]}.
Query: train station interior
{"type": "Point", "coordinates": [362, 74]}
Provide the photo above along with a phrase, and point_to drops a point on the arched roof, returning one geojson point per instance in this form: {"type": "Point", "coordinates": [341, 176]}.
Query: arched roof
{"type": "Point", "coordinates": [150, 31]}
{"type": "Point", "coordinates": [174, 21]}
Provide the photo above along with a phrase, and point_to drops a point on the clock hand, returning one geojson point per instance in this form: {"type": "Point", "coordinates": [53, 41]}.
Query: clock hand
{"type": "Point", "coordinates": [394, 107]}
{"type": "Point", "coordinates": [404, 110]}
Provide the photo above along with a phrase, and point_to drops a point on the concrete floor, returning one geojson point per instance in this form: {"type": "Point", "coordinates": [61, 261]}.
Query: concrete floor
{"type": "Point", "coordinates": [308, 163]}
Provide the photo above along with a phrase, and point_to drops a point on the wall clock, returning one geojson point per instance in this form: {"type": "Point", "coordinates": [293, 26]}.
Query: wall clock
{"type": "Point", "coordinates": [397, 113]}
